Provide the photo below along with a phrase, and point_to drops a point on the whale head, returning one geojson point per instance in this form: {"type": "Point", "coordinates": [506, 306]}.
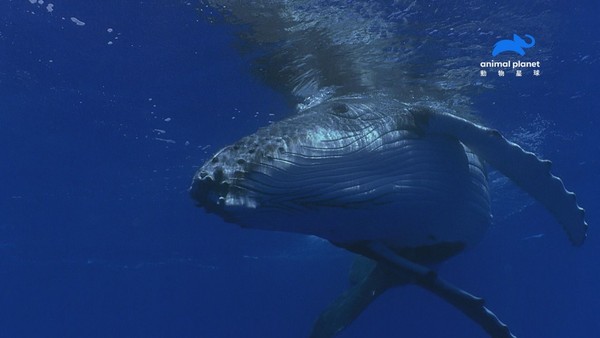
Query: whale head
{"type": "Point", "coordinates": [291, 164]}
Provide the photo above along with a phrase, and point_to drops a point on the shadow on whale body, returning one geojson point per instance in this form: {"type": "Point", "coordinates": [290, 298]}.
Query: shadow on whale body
{"type": "Point", "coordinates": [376, 160]}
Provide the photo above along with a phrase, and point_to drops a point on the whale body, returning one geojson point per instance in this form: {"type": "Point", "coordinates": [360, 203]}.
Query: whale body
{"type": "Point", "coordinates": [382, 155]}
{"type": "Point", "coordinates": [350, 169]}
{"type": "Point", "coordinates": [401, 184]}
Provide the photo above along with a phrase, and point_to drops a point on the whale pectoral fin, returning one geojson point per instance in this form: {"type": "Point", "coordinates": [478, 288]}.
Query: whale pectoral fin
{"type": "Point", "coordinates": [528, 171]}
{"type": "Point", "coordinates": [407, 270]}
{"type": "Point", "coordinates": [369, 280]}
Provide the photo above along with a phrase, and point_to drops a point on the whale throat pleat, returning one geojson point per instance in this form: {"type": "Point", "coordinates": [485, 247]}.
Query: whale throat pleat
{"type": "Point", "coordinates": [412, 169]}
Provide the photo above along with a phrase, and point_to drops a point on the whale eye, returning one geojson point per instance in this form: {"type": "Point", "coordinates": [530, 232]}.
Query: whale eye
{"type": "Point", "coordinates": [339, 108]}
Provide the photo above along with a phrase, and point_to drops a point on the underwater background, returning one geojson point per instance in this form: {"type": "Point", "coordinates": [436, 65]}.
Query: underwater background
{"type": "Point", "coordinates": [107, 108]}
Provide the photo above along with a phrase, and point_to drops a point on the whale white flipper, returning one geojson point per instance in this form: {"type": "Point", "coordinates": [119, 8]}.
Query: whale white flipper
{"type": "Point", "coordinates": [524, 168]}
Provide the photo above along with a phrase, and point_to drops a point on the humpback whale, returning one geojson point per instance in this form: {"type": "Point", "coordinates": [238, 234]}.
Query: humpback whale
{"type": "Point", "coordinates": [388, 165]}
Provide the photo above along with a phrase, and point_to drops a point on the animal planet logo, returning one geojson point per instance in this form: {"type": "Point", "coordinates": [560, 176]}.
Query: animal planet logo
{"type": "Point", "coordinates": [516, 45]}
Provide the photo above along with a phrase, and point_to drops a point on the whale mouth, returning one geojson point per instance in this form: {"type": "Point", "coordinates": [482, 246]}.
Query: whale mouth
{"type": "Point", "coordinates": [209, 193]}
{"type": "Point", "coordinates": [219, 194]}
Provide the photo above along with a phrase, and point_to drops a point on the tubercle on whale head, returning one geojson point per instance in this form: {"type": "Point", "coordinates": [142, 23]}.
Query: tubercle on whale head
{"type": "Point", "coordinates": [215, 186]}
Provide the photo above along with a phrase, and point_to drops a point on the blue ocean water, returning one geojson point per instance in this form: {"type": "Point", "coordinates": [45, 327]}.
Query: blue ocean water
{"type": "Point", "coordinates": [107, 109]}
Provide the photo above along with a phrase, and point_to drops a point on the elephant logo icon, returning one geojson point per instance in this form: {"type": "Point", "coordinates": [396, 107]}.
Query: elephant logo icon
{"type": "Point", "coordinates": [517, 45]}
